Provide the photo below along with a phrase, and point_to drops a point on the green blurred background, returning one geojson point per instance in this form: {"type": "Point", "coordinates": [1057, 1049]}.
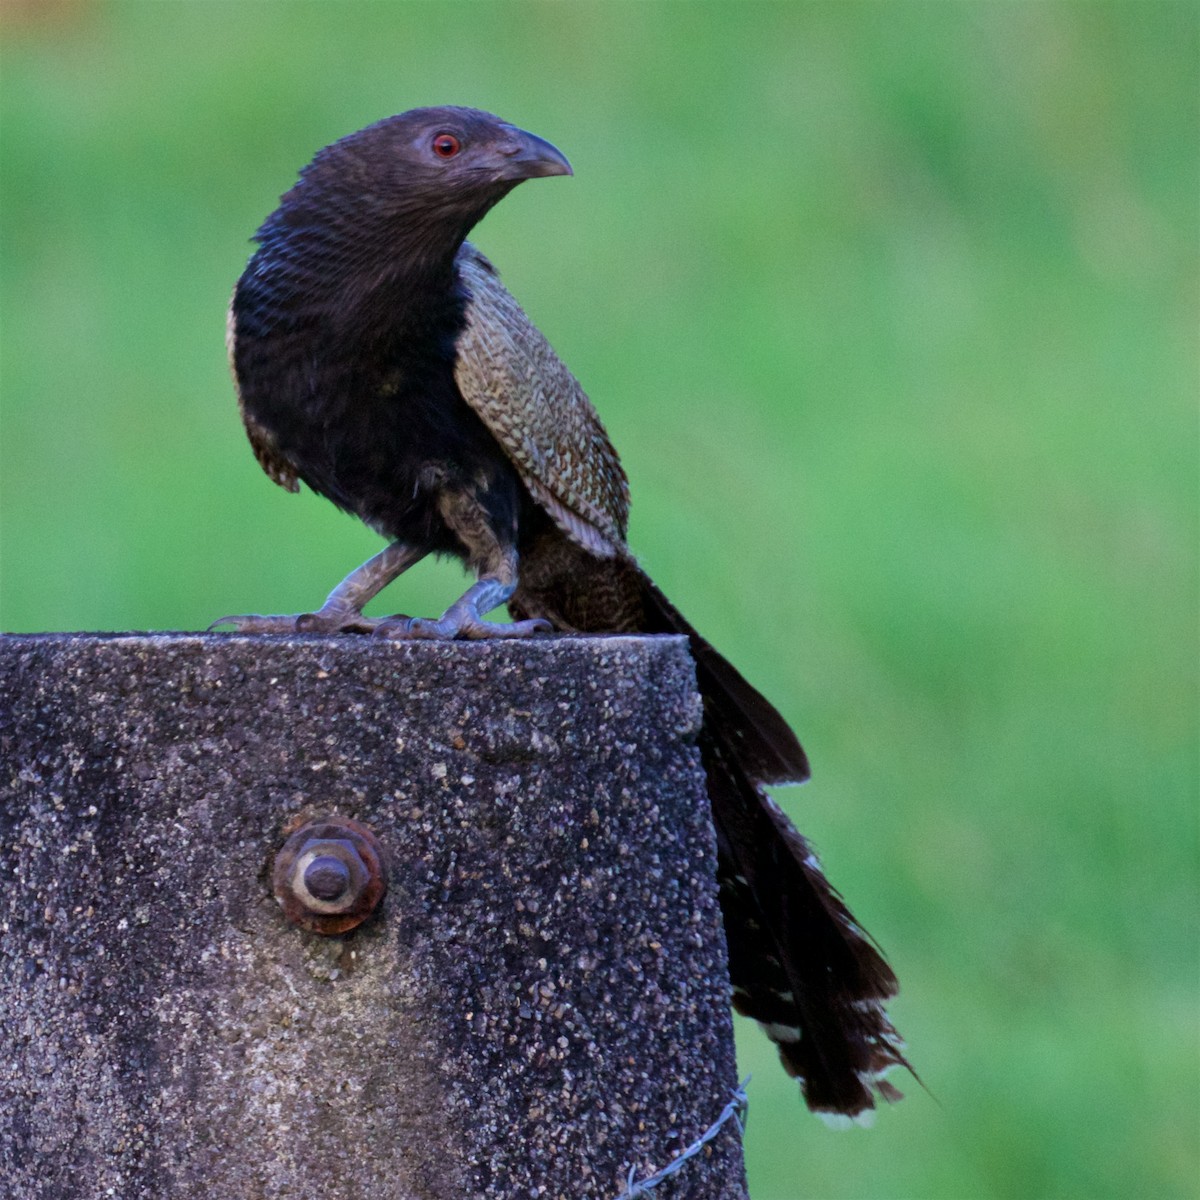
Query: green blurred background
{"type": "Point", "coordinates": [892, 312]}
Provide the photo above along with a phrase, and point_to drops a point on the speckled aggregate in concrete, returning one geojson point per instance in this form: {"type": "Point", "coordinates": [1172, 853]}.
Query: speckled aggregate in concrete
{"type": "Point", "coordinates": [541, 1003]}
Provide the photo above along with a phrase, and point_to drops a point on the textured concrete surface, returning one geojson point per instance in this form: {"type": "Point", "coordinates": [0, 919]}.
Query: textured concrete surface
{"type": "Point", "coordinates": [540, 1003]}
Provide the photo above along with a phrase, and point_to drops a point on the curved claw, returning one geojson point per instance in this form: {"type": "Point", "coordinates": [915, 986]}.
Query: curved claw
{"type": "Point", "coordinates": [324, 621]}
{"type": "Point", "coordinates": [253, 623]}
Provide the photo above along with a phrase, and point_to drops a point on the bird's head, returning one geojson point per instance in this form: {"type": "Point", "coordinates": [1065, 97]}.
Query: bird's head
{"type": "Point", "coordinates": [422, 178]}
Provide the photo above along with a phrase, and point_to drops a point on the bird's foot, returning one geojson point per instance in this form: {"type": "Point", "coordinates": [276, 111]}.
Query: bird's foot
{"type": "Point", "coordinates": [255, 623]}
{"type": "Point", "coordinates": [325, 620]}
{"type": "Point", "coordinates": [460, 620]}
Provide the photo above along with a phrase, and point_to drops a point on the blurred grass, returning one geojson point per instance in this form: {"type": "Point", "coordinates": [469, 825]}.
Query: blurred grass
{"type": "Point", "coordinates": [892, 312]}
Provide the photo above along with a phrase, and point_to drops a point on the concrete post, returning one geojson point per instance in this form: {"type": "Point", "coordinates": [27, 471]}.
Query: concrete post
{"type": "Point", "coordinates": [539, 1003]}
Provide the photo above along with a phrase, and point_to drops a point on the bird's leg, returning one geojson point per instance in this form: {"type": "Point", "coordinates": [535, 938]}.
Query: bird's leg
{"type": "Point", "coordinates": [346, 602]}
{"type": "Point", "coordinates": [494, 557]}
{"type": "Point", "coordinates": [342, 610]}
{"type": "Point", "coordinates": [464, 618]}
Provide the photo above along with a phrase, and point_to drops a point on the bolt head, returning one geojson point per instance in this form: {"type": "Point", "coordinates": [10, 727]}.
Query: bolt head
{"type": "Point", "coordinates": [329, 876]}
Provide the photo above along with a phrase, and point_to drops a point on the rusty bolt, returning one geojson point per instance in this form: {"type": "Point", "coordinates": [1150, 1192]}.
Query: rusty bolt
{"type": "Point", "coordinates": [329, 875]}
{"type": "Point", "coordinates": [328, 878]}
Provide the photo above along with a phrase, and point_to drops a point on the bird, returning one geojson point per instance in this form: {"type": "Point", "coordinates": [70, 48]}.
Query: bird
{"type": "Point", "coordinates": [378, 358]}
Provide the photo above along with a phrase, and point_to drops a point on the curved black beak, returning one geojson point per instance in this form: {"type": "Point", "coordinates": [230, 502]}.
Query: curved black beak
{"type": "Point", "coordinates": [527, 156]}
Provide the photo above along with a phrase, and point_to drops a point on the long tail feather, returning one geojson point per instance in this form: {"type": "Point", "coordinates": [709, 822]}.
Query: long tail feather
{"type": "Point", "coordinates": [799, 963]}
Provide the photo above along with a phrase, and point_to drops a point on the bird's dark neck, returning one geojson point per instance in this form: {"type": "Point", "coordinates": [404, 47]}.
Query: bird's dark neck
{"type": "Point", "coordinates": [372, 275]}
{"type": "Point", "coordinates": [406, 295]}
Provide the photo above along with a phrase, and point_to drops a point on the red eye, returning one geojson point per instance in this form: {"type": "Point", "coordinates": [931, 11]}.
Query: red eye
{"type": "Point", "coordinates": [446, 145]}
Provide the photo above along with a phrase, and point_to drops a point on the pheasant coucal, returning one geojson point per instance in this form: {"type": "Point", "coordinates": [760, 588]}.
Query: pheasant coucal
{"type": "Point", "coordinates": [379, 359]}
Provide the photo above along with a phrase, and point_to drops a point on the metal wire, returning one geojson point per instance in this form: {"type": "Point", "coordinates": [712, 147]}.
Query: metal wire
{"type": "Point", "coordinates": [735, 1111]}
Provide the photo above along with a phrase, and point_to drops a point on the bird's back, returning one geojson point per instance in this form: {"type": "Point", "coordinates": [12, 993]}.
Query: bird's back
{"type": "Point", "coordinates": [510, 375]}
